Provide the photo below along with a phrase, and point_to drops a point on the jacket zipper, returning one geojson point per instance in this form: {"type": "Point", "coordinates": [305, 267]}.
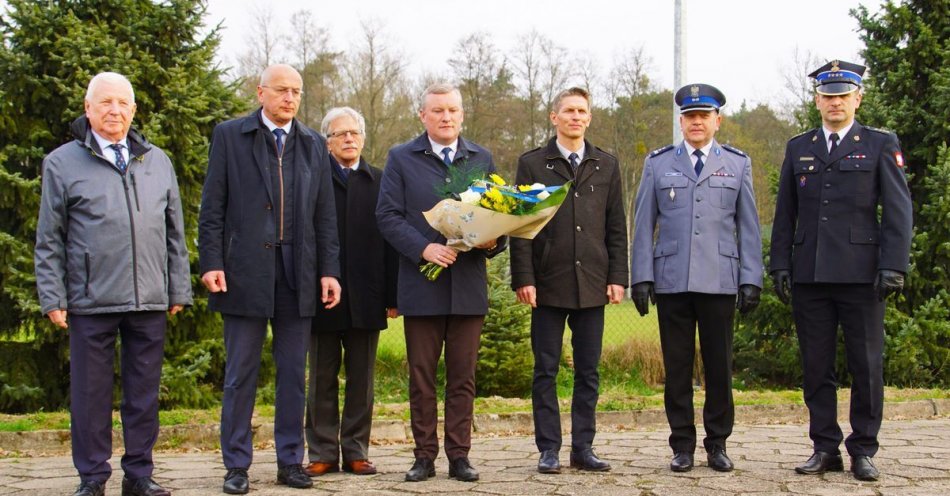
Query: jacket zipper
{"type": "Point", "coordinates": [87, 274]}
{"type": "Point", "coordinates": [135, 192]}
{"type": "Point", "coordinates": [135, 270]}
{"type": "Point", "coordinates": [280, 179]}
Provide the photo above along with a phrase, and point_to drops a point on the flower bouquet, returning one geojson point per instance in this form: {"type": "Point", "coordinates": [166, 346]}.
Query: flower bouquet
{"type": "Point", "coordinates": [490, 208]}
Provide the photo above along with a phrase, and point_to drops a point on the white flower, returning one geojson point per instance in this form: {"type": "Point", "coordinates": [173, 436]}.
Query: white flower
{"type": "Point", "coordinates": [470, 197]}
{"type": "Point", "coordinates": [537, 186]}
{"type": "Point", "coordinates": [544, 194]}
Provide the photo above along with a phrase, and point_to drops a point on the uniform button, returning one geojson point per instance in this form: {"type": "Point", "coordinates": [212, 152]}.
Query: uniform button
{"type": "Point", "coordinates": [696, 233]}
{"type": "Point", "coordinates": [578, 228]}
{"type": "Point", "coordinates": [448, 180]}
{"type": "Point", "coordinates": [824, 202]}
{"type": "Point", "coordinates": [828, 169]}
{"type": "Point", "coordinates": [268, 206]}
{"type": "Point", "coordinates": [697, 216]}
{"type": "Point", "coordinates": [857, 166]}
{"type": "Point", "coordinates": [577, 195]}
{"type": "Point", "coordinates": [827, 185]}
{"type": "Point", "coordinates": [824, 219]}
{"type": "Point", "coordinates": [699, 199]}
{"type": "Point", "coordinates": [577, 263]}
{"type": "Point", "coordinates": [268, 245]}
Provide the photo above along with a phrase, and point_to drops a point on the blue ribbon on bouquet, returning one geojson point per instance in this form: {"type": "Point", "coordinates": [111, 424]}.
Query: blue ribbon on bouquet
{"type": "Point", "coordinates": [528, 196]}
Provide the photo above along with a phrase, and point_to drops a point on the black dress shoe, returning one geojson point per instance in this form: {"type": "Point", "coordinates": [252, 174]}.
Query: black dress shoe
{"type": "Point", "coordinates": [587, 460]}
{"type": "Point", "coordinates": [294, 476]}
{"type": "Point", "coordinates": [863, 469]}
{"type": "Point", "coordinates": [718, 460]}
{"type": "Point", "coordinates": [235, 482]}
{"type": "Point", "coordinates": [682, 462]}
{"type": "Point", "coordinates": [461, 469]}
{"type": "Point", "coordinates": [144, 486]}
{"type": "Point", "coordinates": [821, 462]}
{"type": "Point", "coordinates": [549, 463]}
{"type": "Point", "coordinates": [422, 469]}
{"type": "Point", "coordinates": [90, 488]}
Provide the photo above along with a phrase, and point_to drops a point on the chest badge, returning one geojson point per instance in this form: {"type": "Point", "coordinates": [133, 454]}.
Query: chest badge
{"type": "Point", "coordinates": [802, 181]}
{"type": "Point", "coordinates": [672, 195]}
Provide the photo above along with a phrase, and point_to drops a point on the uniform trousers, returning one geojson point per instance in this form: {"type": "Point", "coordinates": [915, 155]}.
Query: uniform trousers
{"type": "Point", "coordinates": [327, 433]}
{"type": "Point", "coordinates": [243, 341]}
{"type": "Point", "coordinates": [818, 309]}
{"type": "Point", "coordinates": [679, 314]}
{"type": "Point", "coordinates": [547, 337]}
{"type": "Point", "coordinates": [91, 355]}
{"type": "Point", "coordinates": [425, 336]}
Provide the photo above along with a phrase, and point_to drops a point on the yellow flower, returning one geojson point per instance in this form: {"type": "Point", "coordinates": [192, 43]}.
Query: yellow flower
{"type": "Point", "coordinates": [524, 187]}
{"type": "Point", "coordinates": [497, 179]}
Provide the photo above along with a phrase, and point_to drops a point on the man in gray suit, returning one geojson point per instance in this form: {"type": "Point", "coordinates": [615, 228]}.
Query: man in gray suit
{"type": "Point", "coordinates": [699, 196]}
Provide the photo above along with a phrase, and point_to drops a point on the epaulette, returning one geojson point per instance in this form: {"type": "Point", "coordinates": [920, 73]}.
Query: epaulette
{"type": "Point", "coordinates": [658, 151]}
{"type": "Point", "coordinates": [734, 150]}
{"type": "Point", "coordinates": [799, 135]}
{"type": "Point", "coordinates": [878, 130]}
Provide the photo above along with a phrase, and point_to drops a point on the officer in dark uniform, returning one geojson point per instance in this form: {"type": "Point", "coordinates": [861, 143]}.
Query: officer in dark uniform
{"type": "Point", "coordinates": [837, 261]}
{"type": "Point", "coordinates": [704, 262]}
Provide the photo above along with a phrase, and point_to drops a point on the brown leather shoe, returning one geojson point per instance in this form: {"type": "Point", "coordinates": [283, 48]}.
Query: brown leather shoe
{"type": "Point", "coordinates": [316, 469]}
{"type": "Point", "coordinates": [359, 467]}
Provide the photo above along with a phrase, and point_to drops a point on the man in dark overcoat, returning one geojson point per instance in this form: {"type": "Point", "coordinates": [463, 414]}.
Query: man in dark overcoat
{"type": "Point", "coordinates": [837, 259]}
{"type": "Point", "coordinates": [348, 334]}
{"type": "Point", "coordinates": [268, 252]}
{"type": "Point", "coordinates": [570, 271]}
{"type": "Point", "coordinates": [448, 312]}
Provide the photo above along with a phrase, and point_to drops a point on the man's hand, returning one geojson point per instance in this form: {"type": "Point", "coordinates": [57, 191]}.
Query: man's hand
{"type": "Point", "coordinates": [392, 313]}
{"type": "Point", "coordinates": [888, 282]}
{"type": "Point", "coordinates": [782, 280]}
{"type": "Point", "coordinates": [58, 318]}
{"type": "Point", "coordinates": [614, 293]}
{"type": "Point", "coordinates": [439, 254]}
{"type": "Point", "coordinates": [748, 298]}
{"type": "Point", "coordinates": [642, 294]}
{"type": "Point", "coordinates": [330, 292]}
{"type": "Point", "coordinates": [175, 309]}
{"type": "Point", "coordinates": [490, 245]}
{"type": "Point", "coordinates": [528, 295]}
{"type": "Point", "coordinates": [214, 281]}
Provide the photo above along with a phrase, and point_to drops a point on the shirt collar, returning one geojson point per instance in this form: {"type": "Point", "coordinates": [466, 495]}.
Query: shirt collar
{"type": "Point", "coordinates": [104, 146]}
{"type": "Point", "coordinates": [437, 147]}
{"type": "Point", "coordinates": [567, 153]}
{"type": "Point", "coordinates": [841, 133]}
{"type": "Point", "coordinates": [705, 149]}
{"type": "Point", "coordinates": [271, 126]}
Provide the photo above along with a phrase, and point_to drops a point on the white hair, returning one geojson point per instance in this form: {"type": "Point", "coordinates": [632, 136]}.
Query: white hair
{"type": "Point", "coordinates": [337, 112]}
{"type": "Point", "coordinates": [108, 77]}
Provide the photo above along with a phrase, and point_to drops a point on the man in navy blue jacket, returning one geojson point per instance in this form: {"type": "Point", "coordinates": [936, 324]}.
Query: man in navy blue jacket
{"type": "Point", "coordinates": [450, 310]}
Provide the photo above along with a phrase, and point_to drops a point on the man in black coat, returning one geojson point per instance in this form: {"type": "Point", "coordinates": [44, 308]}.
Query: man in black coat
{"type": "Point", "coordinates": [349, 332]}
{"type": "Point", "coordinates": [575, 266]}
{"type": "Point", "coordinates": [268, 250]}
{"type": "Point", "coordinates": [837, 261]}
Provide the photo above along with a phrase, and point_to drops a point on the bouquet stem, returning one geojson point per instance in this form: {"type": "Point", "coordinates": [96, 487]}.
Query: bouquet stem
{"type": "Point", "coordinates": [431, 270]}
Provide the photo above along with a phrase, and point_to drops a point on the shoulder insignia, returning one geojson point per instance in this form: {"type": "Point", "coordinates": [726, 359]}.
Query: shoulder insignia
{"type": "Point", "coordinates": [734, 150]}
{"type": "Point", "coordinates": [802, 134]}
{"type": "Point", "coordinates": [659, 151]}
{"type": "Point", "coordinates": [878, 130]}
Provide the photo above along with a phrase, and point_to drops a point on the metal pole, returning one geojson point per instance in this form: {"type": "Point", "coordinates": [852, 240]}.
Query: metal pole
{"type": "Point", "coordinates": [679, 60]}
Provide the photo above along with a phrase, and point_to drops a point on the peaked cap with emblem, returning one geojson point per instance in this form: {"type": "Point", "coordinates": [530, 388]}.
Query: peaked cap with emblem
{"type": "Point", "coordinates": [699, 97]}
{"type": "Point", "coordinates": [838, 78]}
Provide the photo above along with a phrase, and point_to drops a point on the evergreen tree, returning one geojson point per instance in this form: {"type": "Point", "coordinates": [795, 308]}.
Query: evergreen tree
{"type": "Point", "coordinates": [50, 50]}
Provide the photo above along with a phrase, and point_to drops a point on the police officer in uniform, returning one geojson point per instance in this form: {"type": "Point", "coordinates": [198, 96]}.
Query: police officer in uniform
{"type": "Point", "coordinates": [699, 196]}
{"type": "Point", "coordinates": [837, 262]}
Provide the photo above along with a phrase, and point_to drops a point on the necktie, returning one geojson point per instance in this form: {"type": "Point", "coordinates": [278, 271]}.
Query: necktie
{"type": "Point", "coordinates": [699, 162]}
{"type": "Point", "coordinates": [445, 155]}
{"type": "Point", "coordinates": [346, 173]}
{"type": "Point", "coordinates": [834, 142]}
{"type": "Point", "coordinates": [279, 137]}
{"type": "Point", "coordinates": [119, 159]}
{"type": "Point", "coordinates": [573, 158]}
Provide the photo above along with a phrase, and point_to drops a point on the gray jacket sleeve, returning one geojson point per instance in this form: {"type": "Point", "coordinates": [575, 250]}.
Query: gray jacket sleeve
{"type": "Point", "coordinates": [179, 272]}
{"type": "Point", "coordinates": [49, 258]}
{"type": "Point", "coordinates": [747, 231]}
{"type": "Point", "coordinates": [644, 223]}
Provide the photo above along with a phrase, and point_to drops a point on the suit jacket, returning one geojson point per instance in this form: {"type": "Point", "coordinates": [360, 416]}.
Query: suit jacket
{"type": "Point", "coordinates": [408, 188]}
{"type": "Point", "coordinates": [237, 230]}
{"type": "Point", "coordinates": [708, 237]}
{"type": "Point", "coordinates": [826, 227]}
{"type": "Point", "coordinates": [584, 247]}
{"type": "Point", "coordinates": [369, 265]}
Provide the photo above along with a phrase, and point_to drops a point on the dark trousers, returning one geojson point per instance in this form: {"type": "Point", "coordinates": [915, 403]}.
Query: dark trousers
{"type": "Point", "coordinates": [818, 309]}
{"type": "Point", "coordinates": [679, 314]}
{"type": "Point", "coordinates": [425, 337]}
{"type": "Point", "coordinates": [243, 340]}
{"type": "Point", "coordinates": [547, 337]}
{"type": "Point", "coordinates": [328, 433]}
{"type": "Point", "coordinates": [91, 355]}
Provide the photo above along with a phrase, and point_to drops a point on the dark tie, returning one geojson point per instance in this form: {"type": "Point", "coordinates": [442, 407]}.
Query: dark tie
{"type": "Point", "coordinates": [279, 137]}
{"type": "Point", "coordinates": [119, 159]}
{"type": "Point", "coordinates": [573, 158]}
{"type": "Point", "coordinates": [699, 162]}
{"type": "Point", "coordinates": [834, 142]}
{"type": "Point", "coordinates": [445, 155]}
{"type": "Point", "coordinates": [346, 173]}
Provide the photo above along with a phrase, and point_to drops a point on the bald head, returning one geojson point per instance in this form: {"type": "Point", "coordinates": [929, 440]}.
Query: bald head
{"type": "Point", "coordinates": [279, 93]}
{"type": "Point", "coordinates": [279, 70]}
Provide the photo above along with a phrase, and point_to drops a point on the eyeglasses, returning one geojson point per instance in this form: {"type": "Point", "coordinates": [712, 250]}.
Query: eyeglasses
{"type": "Point", "coordinates": [344, 133]}
{"type": "Point", "coordinates": [295, 92]}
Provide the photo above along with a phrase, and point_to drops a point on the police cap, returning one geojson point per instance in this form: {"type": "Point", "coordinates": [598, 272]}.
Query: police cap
{"type": "Point", "coordinates": [838, 78]}
{"type": "Point", "coordinates": [699, 97]}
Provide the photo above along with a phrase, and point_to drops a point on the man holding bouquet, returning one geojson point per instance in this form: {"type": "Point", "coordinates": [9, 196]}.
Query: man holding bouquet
{"type": "Point", "coordinates": [569, 271]}
{"type": "Point", "coordinates": [449, 311]}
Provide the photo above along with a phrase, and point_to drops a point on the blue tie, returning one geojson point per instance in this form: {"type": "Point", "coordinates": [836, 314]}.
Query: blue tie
{"type": "Point", "coordinates": [699, 162]}
{"type": "Point", "coordinates": [346, 173]}
{"type": "Point", "coordinates": [445, 155]}
{"type": "Point", "coordinates": [119, 159]}
{"type": "Point", "coordinates": [279, 137]}
{"type": "Point", "coordinates": [573, 158]}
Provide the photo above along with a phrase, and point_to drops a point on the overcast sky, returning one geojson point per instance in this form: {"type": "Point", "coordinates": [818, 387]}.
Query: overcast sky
{"type": "Point", "coordinates": [740, 46]}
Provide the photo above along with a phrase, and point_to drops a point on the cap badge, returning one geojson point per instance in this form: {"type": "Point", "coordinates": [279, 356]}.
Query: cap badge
{"type": "Point", "coordinates": [694, 91]}
{"type": "Point", "coordinates": [834, 66]}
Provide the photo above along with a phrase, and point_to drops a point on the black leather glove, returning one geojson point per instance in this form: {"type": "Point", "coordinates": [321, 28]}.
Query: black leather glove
{"type": "Point", "coordinates": [748, 298]}
{"type": "Point", "coordinates": [782, 280]}
{"type": "Point", "coordinates": [642, 294]}
{"type": "Point", "coordinates": [888, 282]}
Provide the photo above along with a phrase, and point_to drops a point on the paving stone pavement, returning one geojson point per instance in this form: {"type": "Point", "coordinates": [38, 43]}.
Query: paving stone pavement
{"type": "Point", "coordinates": [914, 460]}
